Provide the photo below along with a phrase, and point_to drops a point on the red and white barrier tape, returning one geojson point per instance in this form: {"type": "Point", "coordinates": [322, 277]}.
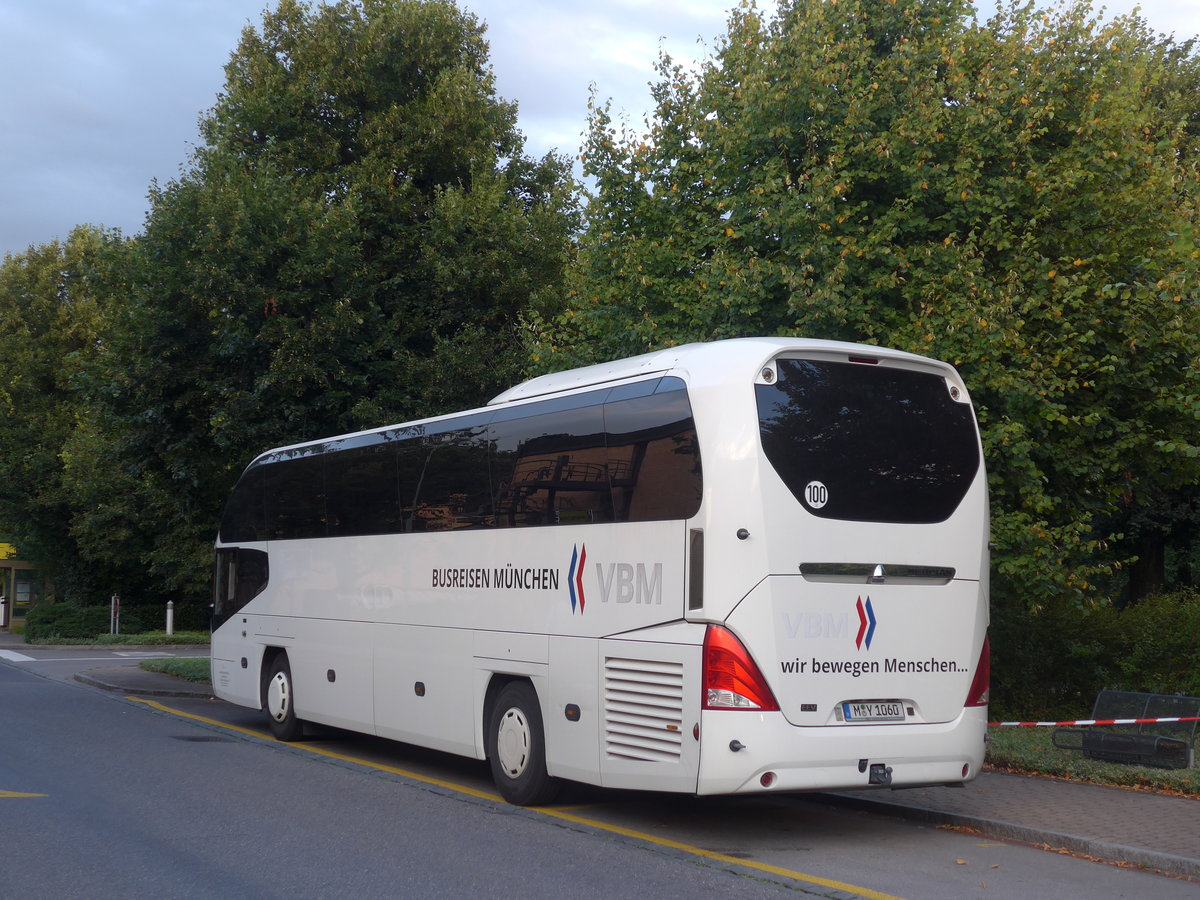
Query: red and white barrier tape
{"type": "Point", "coordinates": [1098, 722]}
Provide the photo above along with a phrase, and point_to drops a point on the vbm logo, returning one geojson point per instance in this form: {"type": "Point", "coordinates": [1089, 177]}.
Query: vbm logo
{"type": "Point", "coordinates": [619, 582]}
{"type": "Point", "coordinates": [812, 626]}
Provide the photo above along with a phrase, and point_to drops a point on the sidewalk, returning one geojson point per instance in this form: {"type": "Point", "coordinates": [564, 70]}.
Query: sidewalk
{"type": "Point", "coordinates": [128, 679]}
{"type": "Point", "coordinates": [1132, 827]}
{"type": "Point", "coordinates": [136, 680]}
{"type": "Point", "coordinates": [1154, 831]}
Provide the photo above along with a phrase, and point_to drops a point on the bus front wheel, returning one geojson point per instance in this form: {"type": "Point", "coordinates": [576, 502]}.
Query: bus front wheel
{"type": "Point", "coordinates": [517, 747]}
{"type": "Point", "coordinates": [281, 711]}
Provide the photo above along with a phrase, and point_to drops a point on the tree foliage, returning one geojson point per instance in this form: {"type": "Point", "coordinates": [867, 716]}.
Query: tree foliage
{"type": "Point", "coordinates": [55, 301]}
{"type": "Point", "coordinates": [358, 241]}
{"type": "Point", "coordinates": [1017, 197]}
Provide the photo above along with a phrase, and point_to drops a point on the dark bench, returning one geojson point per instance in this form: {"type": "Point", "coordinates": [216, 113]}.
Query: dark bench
{"type": "Point", "coordinates": [1163, 744]}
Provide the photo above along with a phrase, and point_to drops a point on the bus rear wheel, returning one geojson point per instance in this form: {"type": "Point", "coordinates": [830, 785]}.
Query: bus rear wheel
{"type": "Point", "coordinates": [279, 704]}
{"type": "Point", "coordinates": [517, 747]}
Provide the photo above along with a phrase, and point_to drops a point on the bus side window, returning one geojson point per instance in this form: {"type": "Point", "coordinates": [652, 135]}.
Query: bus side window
{"type": "Point", "coordinates": [653, 455]}
{"type": "Point", "coordinates": [363, 491]}
{"type": "Point", "coordinates": [245, 517]}
{"type": "Point", "coordinates": [551, 468]}
{"type": "Point", "coordinates": [445, 478]}
{"type": "Point", "coordinates": [296, 498]}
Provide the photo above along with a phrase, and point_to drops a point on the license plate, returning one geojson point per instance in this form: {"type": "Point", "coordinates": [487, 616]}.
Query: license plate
{"type": "Point", "coordinates": [873, 711]}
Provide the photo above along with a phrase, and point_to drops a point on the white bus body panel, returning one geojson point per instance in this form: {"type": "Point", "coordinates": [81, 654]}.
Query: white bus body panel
{"type": "Point", "coordinates": [572, 747]}
{"type": "Point", "coordinates": [423, 687]}
{"type": "Point", "coordinates": [781, 533]}
{"type": "Point", "coordinates": [807, 759]}
{"type": "Point", "coordinates": [650, 709]}
{"type": "Point", "coordinates": [237, 654]}
{"type": "Point", "coordinates": [387, 616]}
{"type": "Point", "coordinates": [816, 651]}
{"type": "Point", "coordinates": [638, 707]}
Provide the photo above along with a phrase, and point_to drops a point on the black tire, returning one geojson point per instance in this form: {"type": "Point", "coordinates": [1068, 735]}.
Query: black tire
{"type": "Point", "coordinates": [278, 701]}
{"type": "Point", "coordinates": [516, 747]}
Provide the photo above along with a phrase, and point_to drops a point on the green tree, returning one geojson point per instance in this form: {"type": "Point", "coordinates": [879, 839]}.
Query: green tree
{"type": "Point", "coordinates": [358, 241]}
{"type": "Point", "coordinates": [1017, 198]}
{"type": "Point", "coordinates": [55, 301]}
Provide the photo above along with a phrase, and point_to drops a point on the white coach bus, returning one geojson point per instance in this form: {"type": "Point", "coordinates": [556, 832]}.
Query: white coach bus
{"type": "Point", "coordinates": [748, 565]}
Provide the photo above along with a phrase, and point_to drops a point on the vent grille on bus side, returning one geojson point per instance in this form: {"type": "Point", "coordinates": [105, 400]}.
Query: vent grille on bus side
{"type": "Point", "coordinates": [643, 709]}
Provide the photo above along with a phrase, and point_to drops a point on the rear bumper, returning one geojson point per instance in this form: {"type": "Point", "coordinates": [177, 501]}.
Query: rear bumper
{"type": "Point", "coordinates": [830, 757]}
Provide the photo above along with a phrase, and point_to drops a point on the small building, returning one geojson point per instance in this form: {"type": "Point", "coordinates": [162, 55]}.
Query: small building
{"type": "Point", "coordinates": [21, 585]}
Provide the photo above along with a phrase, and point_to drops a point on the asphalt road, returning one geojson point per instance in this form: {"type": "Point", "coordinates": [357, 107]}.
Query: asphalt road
{"type": "Point", "coordinates": [102, 796]}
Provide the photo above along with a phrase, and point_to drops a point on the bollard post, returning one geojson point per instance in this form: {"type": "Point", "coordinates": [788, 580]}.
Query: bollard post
{"type": "Point", "coordinates": [3, 611]}
{"type": "Point", "coordinates": [114, 619]}
{"type": "Point", "coordinates": [170, 617]}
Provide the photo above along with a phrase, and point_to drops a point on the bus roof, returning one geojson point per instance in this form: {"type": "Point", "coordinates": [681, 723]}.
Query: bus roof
{"type": "Point", "coordinates": [720, 355]}
{"type": "Point", "coordinates": [713, 353]}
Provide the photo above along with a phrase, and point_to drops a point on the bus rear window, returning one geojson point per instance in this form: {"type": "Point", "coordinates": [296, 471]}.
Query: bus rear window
{"type": "Point", "coordinates": [868, 443]}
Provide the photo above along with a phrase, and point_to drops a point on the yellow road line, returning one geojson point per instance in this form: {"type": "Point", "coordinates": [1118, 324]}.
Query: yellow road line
{"type": "Point", "coordinates": [321, 751]}
{"type": "Point", "coordinates": [185, 715]}
{"type": "Point", "coordinates": [9, 794]}
{"type": "Point", "coordinates": [554, 812]}
{"type": "Point", "coordinates": [721, 857]}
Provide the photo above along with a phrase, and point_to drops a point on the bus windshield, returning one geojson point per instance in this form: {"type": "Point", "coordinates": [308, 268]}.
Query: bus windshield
{"type": "Point", "coordinates": [868, 443]}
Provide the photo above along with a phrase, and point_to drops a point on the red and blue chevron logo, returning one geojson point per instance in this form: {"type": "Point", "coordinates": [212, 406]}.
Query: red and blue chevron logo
{"type": "Point", "coordinates": [866, 624]}
{"type": "Point", "coordinates": [575, 577]}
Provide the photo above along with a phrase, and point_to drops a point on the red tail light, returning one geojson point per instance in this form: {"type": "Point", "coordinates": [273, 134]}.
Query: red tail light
{"type": "Point", "coordinates": [981, 684]}
{"type": "Point", "coordinates": [731, 678]}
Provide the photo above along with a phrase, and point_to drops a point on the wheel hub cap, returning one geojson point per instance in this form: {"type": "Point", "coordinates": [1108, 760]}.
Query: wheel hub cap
{"type": "Point", "coordinates": [512, 743]}
{"type": "Point", "coordinates": [278, 697]}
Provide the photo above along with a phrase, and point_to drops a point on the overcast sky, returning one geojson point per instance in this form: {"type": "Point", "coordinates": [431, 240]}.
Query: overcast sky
{"type": "Point", "coordinates": [102, 97]}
